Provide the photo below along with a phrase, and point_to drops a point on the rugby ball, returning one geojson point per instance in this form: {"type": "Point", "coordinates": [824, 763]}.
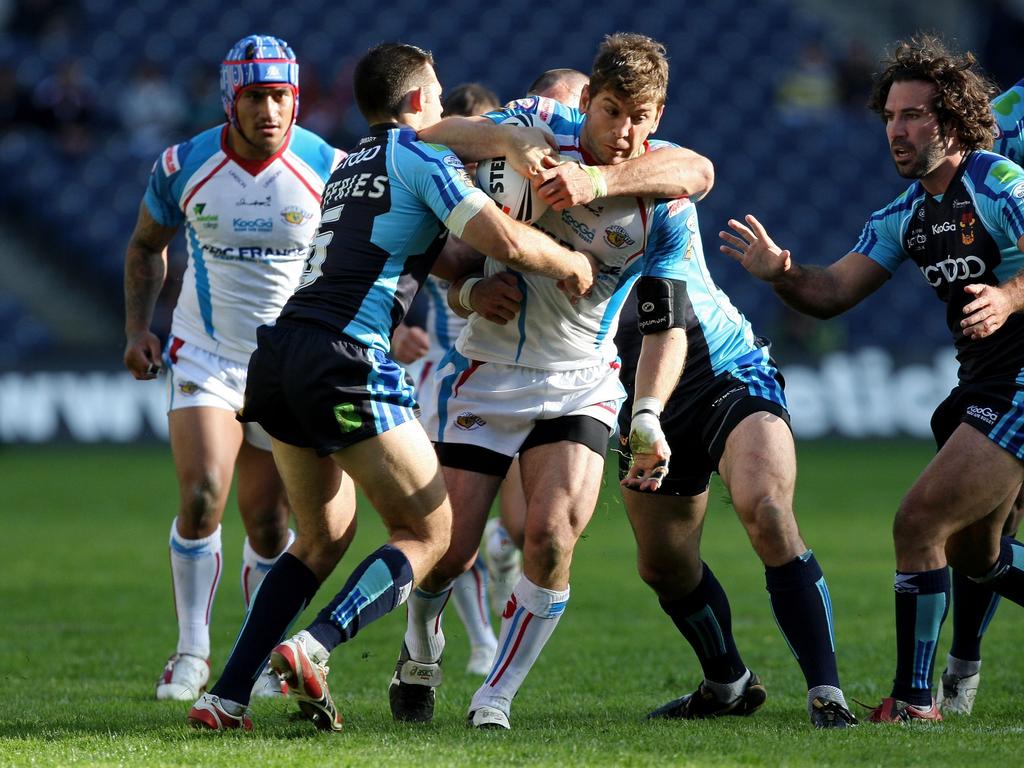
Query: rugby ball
{"type": "Point", "coordinates": [507, 187]}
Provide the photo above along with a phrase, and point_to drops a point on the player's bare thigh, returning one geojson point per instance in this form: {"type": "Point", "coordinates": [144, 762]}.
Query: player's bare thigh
{"type": "Point", "coordinates": [966, 481]}
{"type": "Point", "coordinates": [758, 467]}
{"type": "Point", "coordinates": [400, 475]}
{"type": "Point", "coordinates": [562, 482]}
{"type": "Point", "coordinates": [205, 442]}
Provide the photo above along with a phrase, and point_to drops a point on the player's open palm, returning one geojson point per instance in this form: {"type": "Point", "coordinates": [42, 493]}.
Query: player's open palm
{"type": "Point", "coordinates": [530, 150]}
{"type": "Point", "coordinates": [754, 249]}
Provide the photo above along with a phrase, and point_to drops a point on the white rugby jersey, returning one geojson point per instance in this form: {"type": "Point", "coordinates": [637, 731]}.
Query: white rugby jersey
{"type": "Point", "coordinates": [630, 236]}
{"type": "Point", "coordinates": [248, 226]}
{"type": "Point", "coordinates": [443, 325]}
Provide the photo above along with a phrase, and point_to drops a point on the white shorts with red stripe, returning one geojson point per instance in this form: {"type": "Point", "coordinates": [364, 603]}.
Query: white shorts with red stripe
{"type": "Point", "coordinates": [496, 406]}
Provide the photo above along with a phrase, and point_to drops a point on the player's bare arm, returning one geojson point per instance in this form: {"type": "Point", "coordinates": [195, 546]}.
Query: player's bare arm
{"type": "Point", "coordinates": [528, 150]}
{"type": "Point", "coordinates": [667, 172]}
{"type": "Point", "coordinates": [817, 291]}
{"type": "Point", "coordinates": [145, 267]}
{"type": "Point", "coordinates": [495, 298]}
{"type": "Point", "coordinates": [992, 304]}
{"type": "Point", "coordinates": [456, 260]}
{"type": "Point", "coordinates": [662, 356]}
{"type": "Point", "coordinates": [522, 247]}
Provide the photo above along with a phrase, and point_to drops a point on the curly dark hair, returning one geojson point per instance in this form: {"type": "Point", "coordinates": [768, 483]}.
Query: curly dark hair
{"type": "Point", "coordinates": [962, 91]}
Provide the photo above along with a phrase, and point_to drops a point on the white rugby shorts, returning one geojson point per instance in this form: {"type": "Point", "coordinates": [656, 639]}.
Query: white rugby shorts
{"type": "Point", "coordinates": [495, 406]}
{"type": "Point", "coordinates": [200, 378]}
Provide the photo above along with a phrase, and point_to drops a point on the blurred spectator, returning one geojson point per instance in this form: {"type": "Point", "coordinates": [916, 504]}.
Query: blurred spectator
{"type": "Point", "coordinates": [152, 109]}
{"type": "Point", "coordinates": [65, 104]}
{"type": "Point", "coordinates": [15, 101]}
{"type": "Point", "coordinates": [855, 73]}
{"type": "Point", "coordinates": [1002, 33]}
{"type": "Point", "coordinates": [808, 93]}
{"type": "Point", "coordinates": [204, 108]}
{"type": "Point", "coordinates": [38, 19]}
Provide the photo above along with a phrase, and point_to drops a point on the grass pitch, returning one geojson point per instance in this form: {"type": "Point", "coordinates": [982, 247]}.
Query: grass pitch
{"type": "Point", "coordinates": [87, 623]}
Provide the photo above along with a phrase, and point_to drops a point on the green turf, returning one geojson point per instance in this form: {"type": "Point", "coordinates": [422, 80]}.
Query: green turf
{"type": "Point", "coordinates": [86, 622]}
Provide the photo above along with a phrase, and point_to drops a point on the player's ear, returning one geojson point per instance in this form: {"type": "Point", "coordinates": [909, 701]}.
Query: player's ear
{"type": "Point", "coordinates": [416, 97]}
{"type": "Point", "coordinates": [657, 119]}
{"type": "Point", "coordinates": [585, 98]}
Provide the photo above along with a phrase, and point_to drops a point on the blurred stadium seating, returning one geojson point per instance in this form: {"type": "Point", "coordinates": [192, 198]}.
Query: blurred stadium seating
{"type": "Point", "coordinates": [813, 184]}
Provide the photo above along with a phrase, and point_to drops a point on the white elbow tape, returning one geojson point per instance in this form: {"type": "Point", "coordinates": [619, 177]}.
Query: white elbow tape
{"type": "Point", "coordinates": [597, 179]}
{"type": "Point", "coordinates": [466, 290]}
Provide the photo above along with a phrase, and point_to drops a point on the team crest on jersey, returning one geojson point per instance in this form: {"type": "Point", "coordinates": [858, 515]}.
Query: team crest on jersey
{"type": "Point", "coordinates": [295, 215]}
{"type": "Point", "coordinates": [452, 161]}
{"type": "Point", "coordinates": [920, 213]}
{"type": "Point", "coordinates": [467, 421]}
{"type": "Point", "coordinates": [1018, 191]}
{"type": "Point", "coordinates": [688, 256]}
{"type": "Point", "coordinates": [617, 237]}
{"type": "Point", "coordinates": [967, 228]}
{"type": "Point", "coordinates": [188, 387]}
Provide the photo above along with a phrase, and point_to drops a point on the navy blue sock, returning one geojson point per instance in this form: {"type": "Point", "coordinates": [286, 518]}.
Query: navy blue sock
{"type": "Point", "coordinates": [922, 600]}
{"type": "Point", "coordinates": [974, 605]}
{"type": "Point", "coordinates": [704, 619]}
{"type": "Point", "coordinates": [803, 611]}
{"type": "Point", "coordinates": [376, 587]}
{"type": "Point", "coordinates": [1007, 576]}
{"type": "Point", "coordinates": [284, 594]}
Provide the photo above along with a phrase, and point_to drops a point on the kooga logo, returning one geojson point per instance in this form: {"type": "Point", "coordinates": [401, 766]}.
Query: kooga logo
{"type": "Point", "coordinates": [252, 225]}
{"type": "Point", "coordinates": [946, 226]}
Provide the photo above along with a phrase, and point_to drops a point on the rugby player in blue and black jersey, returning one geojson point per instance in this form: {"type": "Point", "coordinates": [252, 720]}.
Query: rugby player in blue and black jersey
{"type": "Point", "coordinates": [962, 223]}
{"type": "Point", "coordinates": [323, 385]}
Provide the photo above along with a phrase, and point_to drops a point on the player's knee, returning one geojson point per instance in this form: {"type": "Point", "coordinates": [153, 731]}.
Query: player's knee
{"type": "Point", "coordinates": [770, 525]}
{"type": "Point", "coordinates": [547, 547]}
{"type": "Point", "coordinates": [669, 579]}
{"type": "Point", "coordinates": [201, 500]}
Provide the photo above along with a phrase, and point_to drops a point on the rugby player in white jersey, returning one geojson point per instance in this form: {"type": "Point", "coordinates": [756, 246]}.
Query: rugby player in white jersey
{"type": "Point", "coordinates": [247, 194]}
{"type": "Point", "coordinates": [546, 385]}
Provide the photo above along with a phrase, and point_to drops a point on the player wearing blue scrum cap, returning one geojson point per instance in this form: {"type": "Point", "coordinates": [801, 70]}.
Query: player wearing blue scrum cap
{"type": "Point", "coordinates": [247, 195]}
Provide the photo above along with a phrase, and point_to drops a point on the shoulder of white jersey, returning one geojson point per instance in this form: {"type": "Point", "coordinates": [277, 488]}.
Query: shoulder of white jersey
{"type": "Point", "coordinates": [315, 152]}
{"type": "Point", "coordinates": [189, 154]}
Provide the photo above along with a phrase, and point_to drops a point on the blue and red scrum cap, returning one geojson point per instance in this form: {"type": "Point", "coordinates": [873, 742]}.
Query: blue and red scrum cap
{"type": "Point", "coordinates": [257, 60]}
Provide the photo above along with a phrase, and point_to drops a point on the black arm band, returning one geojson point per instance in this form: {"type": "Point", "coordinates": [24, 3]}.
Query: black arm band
{"type": "Point", "coordinates": [661, 304]}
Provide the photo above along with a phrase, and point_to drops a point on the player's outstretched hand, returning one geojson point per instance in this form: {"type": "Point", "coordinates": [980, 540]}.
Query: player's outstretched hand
{"type": "Point", "coordinates": [497, 298]}
{"type": "Point", "coordinates": [650, 452]}
{"type": "Point", "coordinates": [142, 355]}
{"type": "Point", "coordinates": [564, 186]}
{"type": "Point", "coordinates": [754, 249]}
{"type": "Point", "coordinates": [530, 150]}
{"type": "Point", "coordinates": [409, 343]}
{"type": "Point", "coordinates": [988, 312]}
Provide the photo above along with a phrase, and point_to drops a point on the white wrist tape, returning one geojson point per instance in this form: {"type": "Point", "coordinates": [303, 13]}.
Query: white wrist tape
{"type": "Point", "coordinates": [597, 179]}
{"type": "Point", "coordinates": [645, 433]}
{"type": "Point", "coordinates": [651, 404]}
{"type": "Point", "coordinates": [466, 290]}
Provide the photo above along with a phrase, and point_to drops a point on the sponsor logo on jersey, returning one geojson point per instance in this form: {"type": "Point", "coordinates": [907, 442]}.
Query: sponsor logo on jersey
{"type": "Point", "coordinates": [238, 179]}
{"type": "Point", "coordinates": [274, 71]}
{"type": "Point", "coordinates": [688, 256]}
{"type": "Point", "coordinates": [983, 413]}
{"type": "Point", "coordinates": [1018, 191]}
{"type": "Point", "coordinates": [205, 220]}
{"type": "Point", "coordinates": [468, 421]}
{"type": "Point", "coordinates": [950, 270]}
{"type": "Point", "coordinates": [295, 215]}
{"type": "Point", "coordinates": [961, 203]}
{"type": "Point", "coordinates": [677, 206]}
{"type": "Point", "coordinates": [920, 213]}
{"type": "Point", "coordinates": [188, 387]}
{"type": "Point", "coordinates": [264, 203]}
{"type": "Point", "coordinates": [617, 237]}
{"type": "Point", "coordinates": [452, 161]}
{"type": "Point", "coordinates": [967, 228]}
{"type": "Point", "coordinates": [691, 224]}
{"type": "Point", "coordinates": [582, 231]}
{"type": "Point", "coordinates": [258, 224]}
{"type": "Point", "coordinates": [271, 178]}
{"type": "Point", "coordinates": [945, 226]}
{"type": "Point", "coordinates": [170, 160]}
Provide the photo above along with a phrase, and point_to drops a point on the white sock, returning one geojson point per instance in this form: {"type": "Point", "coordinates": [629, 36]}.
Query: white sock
{"type": "Point", "coordinates": [195, 569]}
{"type": "Point", "coordinates": [255, 567]}
{"type": "Point", "coordinates": [501, 550]}
{"type": "Point", "coordinates": [423, 634]}
{"type": "Point", "coordinates": [534, 616]}
{"type": "Point", "coordinates": [469, 593]}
